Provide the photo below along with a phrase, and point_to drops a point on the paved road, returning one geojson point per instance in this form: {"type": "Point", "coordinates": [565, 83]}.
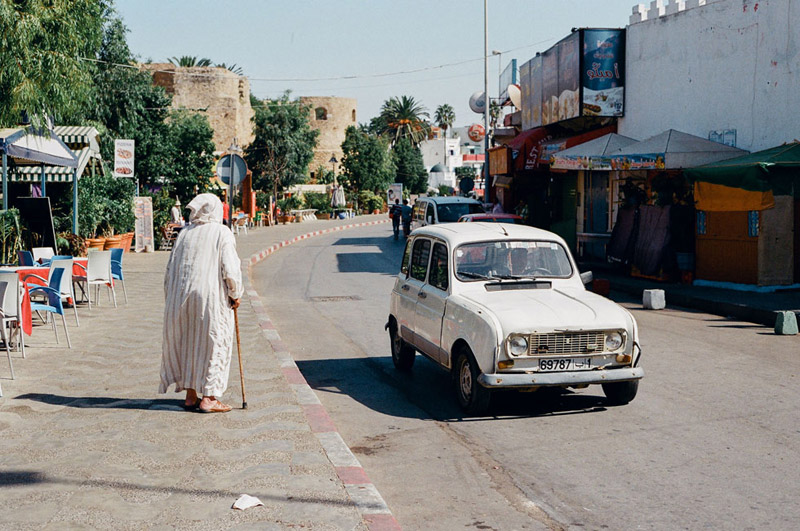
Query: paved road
{"type": "Point", "coordinates": [711, 441]}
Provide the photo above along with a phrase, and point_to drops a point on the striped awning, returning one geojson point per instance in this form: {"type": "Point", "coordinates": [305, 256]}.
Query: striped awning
{"type": "Point", "coordinates": [78, 136]}
{"type": "Point", "coordinates": [55, 174]}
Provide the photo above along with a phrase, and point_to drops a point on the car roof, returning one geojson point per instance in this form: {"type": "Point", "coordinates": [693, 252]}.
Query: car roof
{"type": "Point", "coordinates": [440, 200]}
{"type": "Point", "coordinates": [459, 233]}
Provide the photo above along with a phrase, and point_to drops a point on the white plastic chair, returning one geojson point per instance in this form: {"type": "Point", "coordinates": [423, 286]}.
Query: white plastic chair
{"type": "Point", "coordinates": [240, 223]}
{"type": "Point", "coordinates": [40, 253]}
{"type": "Point", "coordinates": [98, 273]}
{"type": "Point", "coordinates": [10, 308]}
{"type": "Point", "coordinates": [3, 287]}
{"type": "Point", "coordinates": [67, 291]}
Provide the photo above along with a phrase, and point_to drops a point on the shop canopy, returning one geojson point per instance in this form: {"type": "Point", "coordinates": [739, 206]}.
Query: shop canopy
{"type": "Point", "coordinates": [56, 174]}
{"type": "Point", "coordinates": [749, 182]}
{"type": "Point", "coordinates": [591, 155]}
{"type": "Point", "coordinates": [671, 150]}
{"type": "Point", "coordinates": [536, 147]}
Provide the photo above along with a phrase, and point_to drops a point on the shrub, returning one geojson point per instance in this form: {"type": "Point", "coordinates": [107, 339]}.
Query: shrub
{"type": "Point", "coordinates": [318, 201]}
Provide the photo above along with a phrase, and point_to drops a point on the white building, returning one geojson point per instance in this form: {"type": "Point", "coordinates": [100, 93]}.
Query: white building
{"type": "Point", "coordinates": [728, 70]}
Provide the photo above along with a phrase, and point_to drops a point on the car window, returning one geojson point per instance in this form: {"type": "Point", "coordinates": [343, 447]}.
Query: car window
{"type": "Point", "coordinates": [406, 258]}
{"type": "Point", "coordinates": [437, 275]}
{"type": "Point", "coordinates": [419, 258]}
{"type": "Point", "coordinates": [516, 258]}
{"type": "Point", "coordinates": [429, 216]}
{"type": "Point", "coordinates": [449, 212]}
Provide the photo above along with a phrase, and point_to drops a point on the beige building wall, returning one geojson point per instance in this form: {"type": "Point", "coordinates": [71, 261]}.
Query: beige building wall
{"type": "Point", "coordinates": [330, 116]}
{"type": "Point", "coordinates": [216, 92]}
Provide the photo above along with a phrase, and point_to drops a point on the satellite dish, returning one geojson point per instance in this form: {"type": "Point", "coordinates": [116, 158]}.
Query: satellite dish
{"type": "Point", "coordinates": [515, 95]}
{"type": "Point", "coordinates": [477, 102]}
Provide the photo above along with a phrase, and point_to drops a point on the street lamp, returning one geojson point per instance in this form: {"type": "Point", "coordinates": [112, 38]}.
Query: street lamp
{"type": "Point", "coordinates": [334, 161]}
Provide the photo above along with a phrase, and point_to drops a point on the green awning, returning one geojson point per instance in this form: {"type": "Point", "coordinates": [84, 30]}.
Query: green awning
{"type": "Point", "coordinates": [53, 174]}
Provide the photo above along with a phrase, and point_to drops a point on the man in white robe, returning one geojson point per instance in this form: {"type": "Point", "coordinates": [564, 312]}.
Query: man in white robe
{"type": "Point", "coordinates": [202, 285]}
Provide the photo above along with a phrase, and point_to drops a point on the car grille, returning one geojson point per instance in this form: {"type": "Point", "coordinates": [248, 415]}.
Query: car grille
{"type": "Point", "coordinates": [566, 343]}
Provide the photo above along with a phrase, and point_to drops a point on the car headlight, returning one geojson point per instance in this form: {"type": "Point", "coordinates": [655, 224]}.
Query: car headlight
{"type": "Point", "coordinates": [613, 341]}
{"type": "Point", "coordinates": [518, 346]}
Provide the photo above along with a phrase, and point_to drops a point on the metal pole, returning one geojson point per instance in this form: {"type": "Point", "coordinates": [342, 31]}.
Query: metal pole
{"type": "Point", "coordinates": [75, 201]}
{"type": "Point", "coordinates": [5, 181]}
{"type": "Point", "coordinates": [486, 92]}
{"type": "Point", "coordinates": [44, 182]}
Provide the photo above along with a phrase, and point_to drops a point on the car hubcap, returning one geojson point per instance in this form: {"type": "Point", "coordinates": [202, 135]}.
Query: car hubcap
{"type": "Point", "coordinates": [466, 381]}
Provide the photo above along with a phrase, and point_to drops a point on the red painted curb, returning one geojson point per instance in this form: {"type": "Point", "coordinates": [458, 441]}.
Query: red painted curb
{"type": "Point", "coordinates": [352, 475]}
{"type": "Point", "coordinates": [293, 375]}
{"type": "Point", "coordinates": [381, 522]}
{"type": "Point", "coordinates": [318, 418]}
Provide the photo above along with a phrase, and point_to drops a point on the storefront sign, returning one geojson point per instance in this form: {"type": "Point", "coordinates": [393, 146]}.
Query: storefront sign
{"type": "Point", "coordinates": [603, 72]}
{"type": "Point", "coordinates": [500, 161]}
{"type": "Point", "coordinates": [646, 161]}
{"type": "Point", "coordinates": [124, 151]}
{"type": "Point", "coordinates": [572, 162]}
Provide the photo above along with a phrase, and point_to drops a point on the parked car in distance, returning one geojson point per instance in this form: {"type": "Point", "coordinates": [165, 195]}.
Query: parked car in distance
{"type": "Point", "coordinates": [504, 307]}
{"type": "Point", "coordinates": [446, 209]}
{"type": "Point", "coordinates": [493, 217]}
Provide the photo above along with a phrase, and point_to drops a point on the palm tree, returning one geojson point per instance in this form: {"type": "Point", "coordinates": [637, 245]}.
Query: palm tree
{"type": "Point", "coordinates": [404, 117]}
{"type": "Point", "coordinates": [236, 69]}
{"type": "Point", "coordinates": [444, 118]}
{"type": "Point", "coordinates": [189, 60]}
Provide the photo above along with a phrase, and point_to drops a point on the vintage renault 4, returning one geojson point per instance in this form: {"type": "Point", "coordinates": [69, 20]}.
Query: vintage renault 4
{"type": "Point", "coordinates": [504, 306]}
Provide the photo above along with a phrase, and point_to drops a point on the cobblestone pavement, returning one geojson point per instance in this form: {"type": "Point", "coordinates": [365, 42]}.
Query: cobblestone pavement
{"type": "Point", "coordinates": [88, 443]}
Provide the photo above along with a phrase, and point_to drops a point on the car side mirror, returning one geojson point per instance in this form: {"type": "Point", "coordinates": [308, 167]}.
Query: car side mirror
{"type": "Point", "coordinates": [586, 277]}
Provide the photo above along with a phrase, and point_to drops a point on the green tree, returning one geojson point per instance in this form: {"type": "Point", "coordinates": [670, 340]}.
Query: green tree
{"type": "Point", "coordinates": [189, 61]}
{"type": "Point", "coordinates": [190, 139]}
{"type": "Point", "coordinates": [465, 171]}
{"type": "Point", "coordinates": [366, 164]}
{"type": "Point", "coordinates": [444, 117]}
{"type": "Point", "coordinates": [42, 63]}
{"type": "Point", "coordinates": [404, 117]}
{"type": "Point", "coordinates": [283, 146]}
{"type": "Point", "coordinates": [409, 167]}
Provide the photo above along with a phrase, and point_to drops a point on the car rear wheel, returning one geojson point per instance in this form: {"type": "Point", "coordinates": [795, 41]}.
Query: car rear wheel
{"type": "Point", "coordinates": [620, 393]}
{"type": "Point", "coordinates": [403, 354]}
{"type": "Point", "coordinates": [472, 396]}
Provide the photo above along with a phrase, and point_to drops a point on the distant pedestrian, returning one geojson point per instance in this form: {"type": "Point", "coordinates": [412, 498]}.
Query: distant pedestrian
{"type": "Point", "coordinates": [406, 215]}
{"type": "Point", "coordinates": [396, 212]}
{"type": "Point", "coordinates": [202, 285]}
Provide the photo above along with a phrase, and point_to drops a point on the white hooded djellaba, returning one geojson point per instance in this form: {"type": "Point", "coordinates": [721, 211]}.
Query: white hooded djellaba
{"type": "Point", "coordinates": [203, 273]}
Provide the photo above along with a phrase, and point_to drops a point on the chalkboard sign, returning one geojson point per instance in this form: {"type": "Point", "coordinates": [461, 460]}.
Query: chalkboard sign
{"type": "Point", "coordinates": [143, 231]}
{"type": "Point", "coordinates": [37, 217]}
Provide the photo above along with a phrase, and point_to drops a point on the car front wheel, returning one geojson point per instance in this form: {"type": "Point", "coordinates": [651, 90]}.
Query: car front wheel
{"type": "Point", "coordinates": [403, 354]}
{"type": "Point", "coordinates": [620, 393]}
{"type": "Point", "coordinates": [472, 396]}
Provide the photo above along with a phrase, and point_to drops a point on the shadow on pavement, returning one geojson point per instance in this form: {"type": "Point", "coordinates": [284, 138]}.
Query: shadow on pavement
{"type": "Point", "coordinates": [366, 263]}
{"type": "Point", "coordinates": [427, 394]}
{"type": "Point", "coordinates": [101, 401]}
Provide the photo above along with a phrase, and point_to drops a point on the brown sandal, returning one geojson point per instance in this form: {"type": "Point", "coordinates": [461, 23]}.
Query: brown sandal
{"type": "Point", "coordinates": [218, 407]}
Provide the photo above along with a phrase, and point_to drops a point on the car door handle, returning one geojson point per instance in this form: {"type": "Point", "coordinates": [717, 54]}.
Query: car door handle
{"type": "Point", "coordinates": [422, 295]}
{"type": "Point", "coordinates": [405, 287]}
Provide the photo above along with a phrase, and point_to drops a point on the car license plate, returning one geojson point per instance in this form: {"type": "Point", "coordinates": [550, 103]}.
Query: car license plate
{"type": "Point", "coordinates": [565, 364]}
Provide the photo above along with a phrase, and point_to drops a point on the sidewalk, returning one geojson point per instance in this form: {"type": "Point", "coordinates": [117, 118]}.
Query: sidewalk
{"type": "Point", "coordinates": [742, 305]}
{"type": "Point", "coordinates": [87, 443]}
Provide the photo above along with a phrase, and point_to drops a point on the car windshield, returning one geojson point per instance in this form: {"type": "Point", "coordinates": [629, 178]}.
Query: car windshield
{"type": "Point", "coordinates": [449, 212]}
{"type": "Point", "coordinates": [515, 259]}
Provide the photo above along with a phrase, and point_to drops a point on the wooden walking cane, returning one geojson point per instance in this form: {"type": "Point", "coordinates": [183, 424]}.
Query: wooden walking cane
{"type": "Point", "coordinates": [239, 348]}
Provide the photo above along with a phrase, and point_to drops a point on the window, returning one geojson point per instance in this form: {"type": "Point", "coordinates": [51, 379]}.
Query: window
{"type": "Point", "coordinates": [354, 115]}
{"type": "Point", "coordinates": [406, 258]}
{"type": "Point", "coordinates": [429, 215]}
{"type": "Point", "coordinates": [321, 113]}
{"type": "Point", "coordinates": [514, 258]}
{"type": "Point", "coordinates": [701, 222]}
{"type": "Point", "coordinates": [752, 223]}
{"type": "Point", "coordinates": [450, 212]}
{"type": "Point", "coordinates": [437, 276]}
{"type": "Point", "coordinates": [419, 258]}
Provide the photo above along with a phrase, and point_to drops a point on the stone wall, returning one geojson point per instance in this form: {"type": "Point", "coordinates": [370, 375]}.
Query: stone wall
{"type": "Point", "coordinates": [216, 92]}
{"type": "Point", "coordinates": [330, 116]}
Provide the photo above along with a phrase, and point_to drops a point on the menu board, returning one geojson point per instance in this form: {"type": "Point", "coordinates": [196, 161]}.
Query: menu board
{"type": "Point", "coordinates": [143, 229]}
{"type": "Point", "coordinates": [603, 75]}
{"type": "Point", "coordinates": [123, 157]}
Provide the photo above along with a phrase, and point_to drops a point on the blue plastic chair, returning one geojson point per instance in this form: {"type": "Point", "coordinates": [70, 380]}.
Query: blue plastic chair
{"type": "Point", "coordinates": [53, 304]}
{"type": "Point", "coordinates": [25, 258]}
{"type": "Point", "coordinates": [116, 269]}
{"type": "Point", "coordinates": [46, 261]}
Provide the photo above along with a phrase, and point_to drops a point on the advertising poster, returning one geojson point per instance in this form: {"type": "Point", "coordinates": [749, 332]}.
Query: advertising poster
{"type": "Point", "coordinates": [575, 162]}
{"type": "Point", "coordinates": [603, 75]}
{"type": "Point", "coordinates": [143, 228]}
{"type": "Point", "coordinates": [525, 93]}
{"type": "Point", "coordinates": [536, 88]}
{"type": "Point", "coordinates": [550, 86]}
{"type": "Point", "coordinates": [568, 78]}
{"type": "Point", "coordinates": [395, 191]}
{"type": "Point", "coordinates": [123, 157]}
{"type": "Point", "coordinates": [645, 161]}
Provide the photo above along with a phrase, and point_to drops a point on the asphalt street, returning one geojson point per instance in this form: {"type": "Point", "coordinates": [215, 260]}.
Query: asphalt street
{"type": "Point", "coordinates": [711, 441]}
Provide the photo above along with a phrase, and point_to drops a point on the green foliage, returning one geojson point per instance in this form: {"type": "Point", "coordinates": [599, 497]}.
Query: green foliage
{"type": "Point", "coordinates": [288, 203]}
{"type": "Point", "coordinates": [370, 201]}
{"type": "Point", "coordinates": [444, 117]}
{"type": "Point", "coordinates": [236, 69]}
{"type": "Point", "coordinates": [189, 61]}
{"type": "Point", "coordinates": [409, 167]}
{"type": "Point", "coordinates": [404, 117]}
{"type": "Point", "coordinates": [105, 205]}
{"type": "Point", "coordinates": [319, 201]}
{"type": "Point", "coordinates": [262, 200]}
{"type": "Point", "coordinates": [283, 146]}
{"type": "Point", "coordinates": [42, 44]}
{"type": "Point", "coordinates": [191, 146]}
{"type": "Point", "coordinates": [445, 190]}
{"type": "Point", "coordinates": [465, 171]}
{"type": "Point", "coordinates": [323, 175]}
{"type": "Point", "coordinates": [366, 164]}
{"type": "Point", "coordinates": [10, 235]}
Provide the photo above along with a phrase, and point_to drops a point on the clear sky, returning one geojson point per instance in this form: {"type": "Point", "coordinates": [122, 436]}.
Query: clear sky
{"type": "Point", "coordinates": [275, 41]}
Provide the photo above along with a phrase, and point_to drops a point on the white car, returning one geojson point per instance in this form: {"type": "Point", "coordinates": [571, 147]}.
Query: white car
{"type": "Point", "coordinates": [503, 306]}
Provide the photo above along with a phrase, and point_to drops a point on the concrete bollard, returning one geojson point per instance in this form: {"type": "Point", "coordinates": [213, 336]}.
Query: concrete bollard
{"type": "Point", "coordinates": [786, 323]}
{"type": "Point", "coordinates": [654, 299]}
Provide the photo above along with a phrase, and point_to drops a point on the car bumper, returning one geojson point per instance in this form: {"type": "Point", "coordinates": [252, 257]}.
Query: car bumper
{"type": "Point", "coordinates": [560, 378]}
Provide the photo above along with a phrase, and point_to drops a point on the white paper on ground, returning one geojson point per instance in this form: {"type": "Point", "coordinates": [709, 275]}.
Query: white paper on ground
{"type": "Point", "coordinates": [246, 501]}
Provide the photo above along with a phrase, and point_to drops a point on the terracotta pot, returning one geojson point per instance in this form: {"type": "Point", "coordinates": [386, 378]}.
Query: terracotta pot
{"type": "Point", "coordinates": [376, 211]}
{"type": "Point", "coordinates": [127, 241]}
{"type": "Point", "coordinates": [95, 243]}
{"type": "Point", "coordinates": [113, 242]}
{"type": "Point", "coordinates": [323, 215]}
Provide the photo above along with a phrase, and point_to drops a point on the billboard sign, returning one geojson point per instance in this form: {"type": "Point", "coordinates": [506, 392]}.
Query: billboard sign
{"type": "Point", "coordinates": [603, 72]}
{"type": "Point", "coordinates": [508, 77]}
{"type": "Point", "coordinates": [123, 157]}
{"type": "Point", "coordinates": [395, 191]}
{"type": "Point", "coordinates": [568, 79]}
